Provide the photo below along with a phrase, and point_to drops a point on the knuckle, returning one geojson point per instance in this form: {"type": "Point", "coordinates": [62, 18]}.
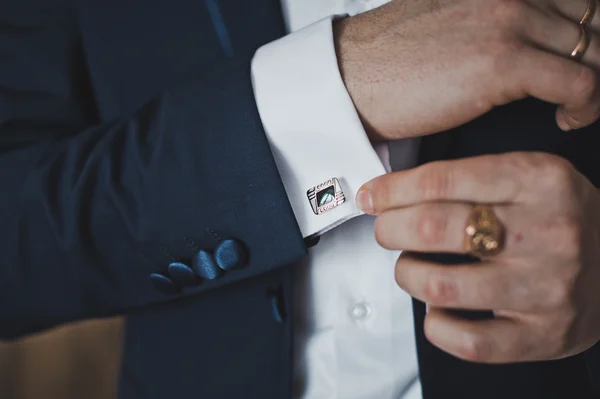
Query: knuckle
{"type": "Point", "coordinates": [524, 166]}
{"type": "Point", "coordinates": [546, 170]}
{"type": "Point", "coordinates": [555, 171]}
{"type": "Point", "coordinates": [508, 12]}
{"type": "Point", "coordinates": [434, 183]}
{"type": "Point", "coordinates": [431, 226]}
{"type": "Point", "coordinates": [440, 291]}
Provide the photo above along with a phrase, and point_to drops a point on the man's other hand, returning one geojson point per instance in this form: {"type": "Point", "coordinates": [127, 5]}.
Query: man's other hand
{"type": "Point", "coordinates": [542, 286]}
{"type": "Point", "coordinates": [417, 67]}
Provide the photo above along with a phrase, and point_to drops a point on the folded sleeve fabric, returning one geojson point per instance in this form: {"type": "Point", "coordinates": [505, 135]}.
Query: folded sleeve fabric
{"type": "Point", "coordinates": [312, 126]}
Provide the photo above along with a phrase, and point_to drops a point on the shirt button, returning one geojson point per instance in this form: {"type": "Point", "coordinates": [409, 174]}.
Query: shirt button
{"type": "Point", "coordinates": [360, 311]}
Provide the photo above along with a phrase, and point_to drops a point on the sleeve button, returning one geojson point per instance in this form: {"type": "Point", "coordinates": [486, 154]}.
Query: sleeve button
{"type": "Point", "coordinates": [163, 284]}
{"type": "Point", "coordinates": [204, 265]}
{"type": "Point", "coordinates": [181, 274]}
{"type": "Point", "coordinates": [230, 254]}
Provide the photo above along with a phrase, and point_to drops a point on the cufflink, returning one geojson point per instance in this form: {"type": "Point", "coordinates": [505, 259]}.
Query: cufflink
{"type": "Point", "coordinates": [326, 196]}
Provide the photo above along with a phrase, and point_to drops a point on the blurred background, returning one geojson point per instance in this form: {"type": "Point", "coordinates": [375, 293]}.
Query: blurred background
{"type": "Point", "coordinates": [73, 362]}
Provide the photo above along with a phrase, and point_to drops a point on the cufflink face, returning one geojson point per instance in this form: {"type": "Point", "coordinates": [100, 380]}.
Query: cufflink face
{"type": "Point", "coordinates": [326, 196]}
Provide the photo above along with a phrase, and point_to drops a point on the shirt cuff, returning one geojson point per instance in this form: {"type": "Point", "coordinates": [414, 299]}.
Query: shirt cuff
{"type": "Point", "coordinates": [312, 126]}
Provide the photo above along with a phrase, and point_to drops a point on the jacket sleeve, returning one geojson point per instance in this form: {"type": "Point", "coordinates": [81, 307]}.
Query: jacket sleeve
{"type": "Point", "coordinates": [86, 219]}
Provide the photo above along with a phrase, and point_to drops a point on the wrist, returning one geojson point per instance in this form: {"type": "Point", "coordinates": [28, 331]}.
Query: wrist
{"type": "Point", "coordinates": [353, 61]}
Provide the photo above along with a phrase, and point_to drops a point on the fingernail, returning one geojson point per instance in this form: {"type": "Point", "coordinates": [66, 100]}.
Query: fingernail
{"type": "Point", "coordinates": [564, 126]}
{"type": "Point", "coordinates": [365, 201]}
{"type": "Point", "coordinates": [562, 121]}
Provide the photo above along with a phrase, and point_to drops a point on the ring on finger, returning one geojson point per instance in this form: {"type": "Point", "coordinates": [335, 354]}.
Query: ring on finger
{"type": "Point", "coordinates": [484, 233]}
{"type": "Point", "coordinates": [583, 45]}
{"type": "Point", "coordinates": [590, 12]}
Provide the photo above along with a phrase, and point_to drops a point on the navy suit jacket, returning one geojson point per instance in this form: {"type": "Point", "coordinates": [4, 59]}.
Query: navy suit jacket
{"type": "Point", "coordinates": [135, 178]}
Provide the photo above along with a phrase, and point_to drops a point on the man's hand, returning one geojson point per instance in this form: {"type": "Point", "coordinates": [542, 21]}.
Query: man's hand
{"type": "Point", "coordinates": [544, 285]}
{"type": "Point", "coordinates": [416, 67]}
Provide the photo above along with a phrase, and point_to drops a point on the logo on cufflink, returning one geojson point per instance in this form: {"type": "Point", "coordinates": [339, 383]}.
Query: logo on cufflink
{"type": "Point", "coordinates": [326, 196]}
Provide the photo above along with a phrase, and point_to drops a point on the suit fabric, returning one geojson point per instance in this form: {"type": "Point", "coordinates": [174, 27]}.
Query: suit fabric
{"type": "Point", "coordinates": [130, 140]}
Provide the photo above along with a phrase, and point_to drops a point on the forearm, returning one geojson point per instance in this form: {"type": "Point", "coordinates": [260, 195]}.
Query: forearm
{"type": "Point", "coordinates": [91, 216]}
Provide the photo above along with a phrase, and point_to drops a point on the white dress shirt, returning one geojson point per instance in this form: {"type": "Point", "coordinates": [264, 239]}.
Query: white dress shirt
{"type": "Point", "coordinates": [353, 326]}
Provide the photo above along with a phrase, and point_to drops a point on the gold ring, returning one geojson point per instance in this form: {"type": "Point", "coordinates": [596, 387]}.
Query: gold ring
{"type": "Point", "coordinates": [484, 233]}
{"type": "Point", "coordinates": [583, 45]}
{"type": "Point", "coordinates": [589, 14]}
